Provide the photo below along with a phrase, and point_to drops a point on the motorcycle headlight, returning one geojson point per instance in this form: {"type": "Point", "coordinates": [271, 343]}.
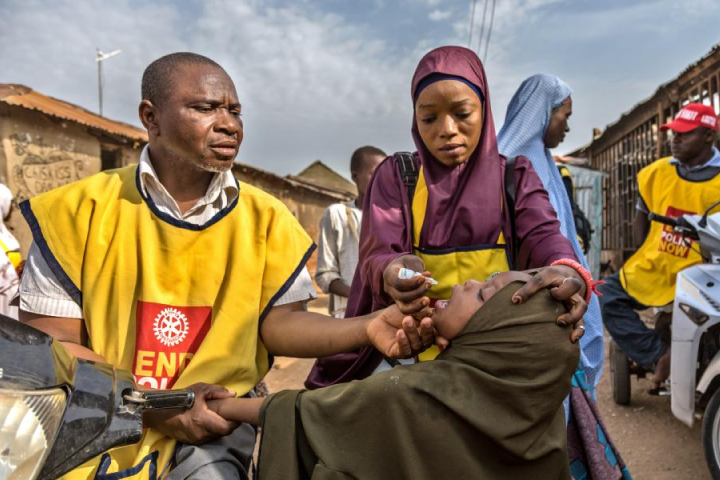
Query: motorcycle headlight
{"type": "Point", "coordinates": [29, 421]}
{"type": "Point", "coordinates": [694, 314]}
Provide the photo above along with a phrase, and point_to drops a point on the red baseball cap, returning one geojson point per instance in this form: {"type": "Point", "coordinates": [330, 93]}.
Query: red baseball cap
{"type": "Point", "coordinates": [692, 116]}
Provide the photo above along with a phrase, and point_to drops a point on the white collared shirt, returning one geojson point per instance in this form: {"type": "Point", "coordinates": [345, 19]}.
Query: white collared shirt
{"type": "Point", "coordinates": [41, 292]}
{"type": "Point", "coordinates": [338, 246]}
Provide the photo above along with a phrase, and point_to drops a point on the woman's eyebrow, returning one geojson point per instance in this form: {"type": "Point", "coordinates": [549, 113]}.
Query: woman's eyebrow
{"type": "Point", "coordinates": [454, 104]}
{"type": "Point", "coordinates": [460, 102]}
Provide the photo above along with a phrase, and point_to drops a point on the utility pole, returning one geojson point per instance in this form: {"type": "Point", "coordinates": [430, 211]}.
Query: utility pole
{"type": "Point", "coordinates": [101, 56]}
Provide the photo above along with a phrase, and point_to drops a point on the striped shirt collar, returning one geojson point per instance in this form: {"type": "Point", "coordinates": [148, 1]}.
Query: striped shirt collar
{"type": "Point", "coordinates": [222, 191]}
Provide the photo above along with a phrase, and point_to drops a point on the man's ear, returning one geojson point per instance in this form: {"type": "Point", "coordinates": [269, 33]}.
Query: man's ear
{"type": "Point", "coordinates": [712, 137]}
{"type": "Point", "coordinates": [353, 176]}
{"type": "Point", "coordinates": [149, 117]}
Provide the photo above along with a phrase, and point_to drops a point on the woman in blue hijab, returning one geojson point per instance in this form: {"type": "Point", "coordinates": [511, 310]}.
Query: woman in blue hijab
{"type": "Point", "coordinates": [536, 121]}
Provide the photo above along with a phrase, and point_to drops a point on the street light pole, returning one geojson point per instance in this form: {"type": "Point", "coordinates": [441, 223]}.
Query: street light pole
{"type": "Point", "coordinates": [99, 64]}
{"type": "Point", "coordinates": [99, 59]}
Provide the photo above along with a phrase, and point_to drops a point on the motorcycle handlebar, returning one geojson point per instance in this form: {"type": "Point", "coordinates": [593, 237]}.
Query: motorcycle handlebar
{"type": "Point", "coordinates": [680, 225]}
{"type": "Point", "coordinates": [161, 399]}
{"type": "Point", "coordinates": [673, 222]}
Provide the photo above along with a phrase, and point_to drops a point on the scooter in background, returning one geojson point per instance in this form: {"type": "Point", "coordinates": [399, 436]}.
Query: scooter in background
{"type": "Point", "coordinates": [58, 411]}
{"type": "Point", "coordinates": [695, 336]}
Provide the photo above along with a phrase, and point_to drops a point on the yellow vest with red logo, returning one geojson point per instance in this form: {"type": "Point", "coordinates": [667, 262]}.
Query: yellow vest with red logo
{"type": "Point", "coordinates": [649, 275]}
{"type": "Point", "coordinates": [173, 302]}
{"type": "Point", "coordinates": [455, 266]}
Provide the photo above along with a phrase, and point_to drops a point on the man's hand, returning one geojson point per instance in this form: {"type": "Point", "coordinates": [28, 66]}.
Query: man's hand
{"type": "Point", "coordinates": [409, 295]}
{"type": "Point", "coordinates": [198, 425]}
{"type": "Point", "coordinates": [566, 286]}
{"type": "Point", "coordinates": [399, 336]}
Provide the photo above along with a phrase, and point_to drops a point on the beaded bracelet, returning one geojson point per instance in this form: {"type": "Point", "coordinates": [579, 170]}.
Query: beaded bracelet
{"type": "Point", "coordinates": [590, 284]}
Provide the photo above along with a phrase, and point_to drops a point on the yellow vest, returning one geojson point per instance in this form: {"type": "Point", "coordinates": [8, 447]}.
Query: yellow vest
{"type": "Point", "coordinates": [14, 256]}
{"type": "Point", "coordinates": [454, 266]}
{"type": "Point", "coordinates": [173, 302]}
{"type": "Point", "coordinates": [649, 275]}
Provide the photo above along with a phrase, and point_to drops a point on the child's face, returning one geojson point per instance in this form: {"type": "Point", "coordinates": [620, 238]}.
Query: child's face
{"type": "Point", "coordinates": [451, 316]}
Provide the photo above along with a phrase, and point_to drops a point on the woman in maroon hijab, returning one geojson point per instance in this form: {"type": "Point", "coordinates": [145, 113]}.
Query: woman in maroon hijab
{"type": "Point", "coordinates": [457, 226]}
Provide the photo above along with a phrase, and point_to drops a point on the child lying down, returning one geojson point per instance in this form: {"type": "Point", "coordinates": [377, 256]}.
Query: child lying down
{"type": "Point", "coordinates": [489, 407]}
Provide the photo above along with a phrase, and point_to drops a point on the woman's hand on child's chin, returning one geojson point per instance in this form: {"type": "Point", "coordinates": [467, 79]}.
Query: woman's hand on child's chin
{"type": "Point", "coordinates": [399, 336]}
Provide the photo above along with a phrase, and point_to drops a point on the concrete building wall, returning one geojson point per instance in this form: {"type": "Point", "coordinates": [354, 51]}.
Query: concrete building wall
{"type": "Point", "coordinates": [40, 153]}
{"type": "Point", "coordinates": [130, 155]}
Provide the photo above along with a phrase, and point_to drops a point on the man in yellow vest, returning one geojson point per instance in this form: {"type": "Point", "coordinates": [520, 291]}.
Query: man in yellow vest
{"type": "Point", "coordinates": [686, 183]}
{"type": "Point", "coordinates": [174, 270]}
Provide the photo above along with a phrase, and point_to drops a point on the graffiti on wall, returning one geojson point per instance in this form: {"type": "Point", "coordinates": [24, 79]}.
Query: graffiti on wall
{"type": "Point", "coordinates": [39, 170]}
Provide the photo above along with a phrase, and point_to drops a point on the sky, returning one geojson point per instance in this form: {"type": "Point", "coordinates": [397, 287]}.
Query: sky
{"type": "Point", "coordinates": [319, 78]}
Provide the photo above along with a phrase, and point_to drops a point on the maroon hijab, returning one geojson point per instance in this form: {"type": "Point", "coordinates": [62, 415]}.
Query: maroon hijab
{"type": "Point", "coordinates": [463, 210]}
{"type": "Point", "coordinates": [459, 196]}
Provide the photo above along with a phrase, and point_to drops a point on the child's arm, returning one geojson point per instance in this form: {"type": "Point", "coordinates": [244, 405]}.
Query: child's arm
{"type": "Point", "coordinates": [245, 410]}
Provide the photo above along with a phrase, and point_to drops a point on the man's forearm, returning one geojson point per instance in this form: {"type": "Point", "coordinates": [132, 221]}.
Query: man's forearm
{"type": "Point", "coordinates": [70, 332]}
{"type": "Point", "coordinates": [339, 287]}
{"type": "Point", "coordinates": [83, 352]}
{"type": "Point", "coordinates": [641, 226]}
{"type": "Point", "coordinates": [291, 332]}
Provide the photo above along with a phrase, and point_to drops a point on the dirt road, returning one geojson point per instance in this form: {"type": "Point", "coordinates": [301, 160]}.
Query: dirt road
{"type": "Point", "coordinates": [653, 443]}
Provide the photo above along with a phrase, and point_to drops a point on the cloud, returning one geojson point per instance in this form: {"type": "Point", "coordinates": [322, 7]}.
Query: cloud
{"type": "Point", "coordinates": [316, 84]}
{"type": "Point", "coordinates": [312, 85]}
{"type": "Point", "coordinates": [426, 3]}
{"type": "Point", "coordinates": [614, 54]}
{"type": "Point", "coordinates": [439, 15]}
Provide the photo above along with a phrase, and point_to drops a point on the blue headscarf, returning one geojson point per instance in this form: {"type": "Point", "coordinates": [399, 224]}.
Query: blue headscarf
{"type": "Point", "coordinates": [523, 134]}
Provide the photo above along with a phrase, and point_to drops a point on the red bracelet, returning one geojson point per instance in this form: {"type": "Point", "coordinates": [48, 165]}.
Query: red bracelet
{"type": "Point", "coordinates": [590, 284]}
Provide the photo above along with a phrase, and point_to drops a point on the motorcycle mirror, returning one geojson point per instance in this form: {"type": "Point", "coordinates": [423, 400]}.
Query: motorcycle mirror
{"type": "Point", "coordinates": [703, 220]}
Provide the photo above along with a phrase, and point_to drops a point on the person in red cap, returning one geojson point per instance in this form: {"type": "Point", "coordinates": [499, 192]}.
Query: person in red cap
{"type": "Point", "coordinates": [686, 183]}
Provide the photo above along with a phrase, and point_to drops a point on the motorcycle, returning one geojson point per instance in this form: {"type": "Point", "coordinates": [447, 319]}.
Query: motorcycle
{"type": "Point", "coordinates": [58, 411]}
{"type": "Point", "coordinates": [695, 336]}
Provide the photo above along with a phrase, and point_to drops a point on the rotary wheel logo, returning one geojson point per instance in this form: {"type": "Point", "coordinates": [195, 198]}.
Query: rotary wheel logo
{"type": "Point", "coordinates": [171, 326]}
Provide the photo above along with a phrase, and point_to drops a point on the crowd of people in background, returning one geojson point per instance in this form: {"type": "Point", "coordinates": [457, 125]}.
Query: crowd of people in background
{"type": "Point", "coordinates": [177, 239]}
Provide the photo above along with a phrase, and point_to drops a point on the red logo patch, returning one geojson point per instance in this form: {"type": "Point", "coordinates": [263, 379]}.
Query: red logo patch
{"type": "Point", "coordinates": [166, 339]}
{"type": "Point", "coordinates": [671, 242]}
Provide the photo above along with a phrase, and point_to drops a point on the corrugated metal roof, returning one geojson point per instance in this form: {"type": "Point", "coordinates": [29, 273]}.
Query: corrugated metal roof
{"type": "Point", "coordinates": [22, 96]}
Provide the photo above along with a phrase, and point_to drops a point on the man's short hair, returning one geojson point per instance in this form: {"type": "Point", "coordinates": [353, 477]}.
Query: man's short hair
{"type": "Point", "coordinates": [362, 155]}
{"type": "Point", "coordinates": [158, 78]}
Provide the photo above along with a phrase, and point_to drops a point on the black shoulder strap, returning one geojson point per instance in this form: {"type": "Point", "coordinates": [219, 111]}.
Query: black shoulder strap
{"type": "Point", "coordinates": [510, 201]}
{"type": "Point", "coordinates": [409, 172]}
